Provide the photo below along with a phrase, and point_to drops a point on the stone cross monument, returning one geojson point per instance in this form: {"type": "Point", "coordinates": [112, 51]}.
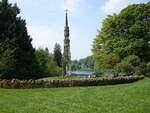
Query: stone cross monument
{"type": "Point", "coordinates": [66, 54]}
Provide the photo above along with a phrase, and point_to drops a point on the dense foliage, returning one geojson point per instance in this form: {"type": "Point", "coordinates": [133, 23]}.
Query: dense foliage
{"type": "Point", "coordinates": [58, 54]}
{"type": "Point", "coordinates": [122, 35]}
{"type": "Point", "coordinates": [17, 58]}
{"type": "Point", "coordinates": [47, 63]}
{"type": "Point", "coordinates": [83, 64]}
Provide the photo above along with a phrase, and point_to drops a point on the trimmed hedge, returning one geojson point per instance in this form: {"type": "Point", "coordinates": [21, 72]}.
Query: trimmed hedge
{"type": "Point", "coordinates": [28, 84]}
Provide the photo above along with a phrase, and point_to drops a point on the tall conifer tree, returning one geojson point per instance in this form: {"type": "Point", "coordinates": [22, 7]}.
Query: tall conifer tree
{"type": "Point", "coordinates": [17, 58]}
{"type": "Point", "coordinates": [58, 54]}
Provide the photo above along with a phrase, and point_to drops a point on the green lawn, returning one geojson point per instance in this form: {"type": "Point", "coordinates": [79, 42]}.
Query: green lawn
{"type": "Point", "coordinates": [125, 98]}
{"type": "Point", "coordinates": [71, 78]}
{"type": "Point", "coordinates": [63, 78]}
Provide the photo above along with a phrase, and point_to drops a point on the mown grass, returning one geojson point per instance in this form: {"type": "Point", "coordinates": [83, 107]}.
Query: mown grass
{"type": "Point", "coordinates": [63, 78]}
{"type": "Point", "coordinates": [71, 78]}
{"type": "Point", "coordinates": [125, 98]}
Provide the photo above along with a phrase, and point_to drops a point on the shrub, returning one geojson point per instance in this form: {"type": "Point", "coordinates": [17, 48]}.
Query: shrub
{"type": "Point", "coordinates": [132, 65]}
{"type": "Point", "coordinates": [53, 69]}
{"type": "Point", "coordinates": [125, 67]}
{"type": "Point", "coordinates": [128, 65]}
{"type": "Point", "coordinates": [142, 69]}
{"type": "Point", "coordinates": [133, 60]}
{"type": "Point", "coordinates": [148, 70]}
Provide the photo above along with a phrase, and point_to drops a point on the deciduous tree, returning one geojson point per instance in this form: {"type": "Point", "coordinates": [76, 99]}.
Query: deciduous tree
{"type": "Point", "coordinates": [124, 34]}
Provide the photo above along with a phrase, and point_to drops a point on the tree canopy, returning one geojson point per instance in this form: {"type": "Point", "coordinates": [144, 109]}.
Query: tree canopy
{"type": "Point", "coordinates": [58, 54]}
{"type": "Point", "coordinates": [86, 64]}
{"type": "Point", "coordinates": [48, 65]}
{"type": "Point", "coordinates": [17, 58]}
{"type": "Point", "coordinates": [127, 33]}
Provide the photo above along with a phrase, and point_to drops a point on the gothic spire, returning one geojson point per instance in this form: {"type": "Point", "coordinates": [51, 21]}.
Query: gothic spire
{"type": "Point", "coordinates": [66, 31]}
{"type": "Point", "coordinates": [67, 54]}
{"type": "Point", "coordinates": [66, 18]}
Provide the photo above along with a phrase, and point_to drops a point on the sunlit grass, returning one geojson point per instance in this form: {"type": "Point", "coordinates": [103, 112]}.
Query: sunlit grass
{"type": "Point", "coordinates": [125, 98]}
{"type": "Point", "coordinates": [72, 78]}
{"type": "Point", "coordinates": [63, 78]}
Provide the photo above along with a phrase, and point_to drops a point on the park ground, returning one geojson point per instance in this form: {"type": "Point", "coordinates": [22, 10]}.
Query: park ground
{"type": "Point", "coordinates": [124, 98]}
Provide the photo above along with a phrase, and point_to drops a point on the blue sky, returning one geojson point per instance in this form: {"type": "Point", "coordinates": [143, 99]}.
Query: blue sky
{"type": "Point", "coordinates": [45, 21]}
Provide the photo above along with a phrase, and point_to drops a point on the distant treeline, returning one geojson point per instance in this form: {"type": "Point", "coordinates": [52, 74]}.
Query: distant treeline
{"type": "Point", "coordinates": [83, 64]}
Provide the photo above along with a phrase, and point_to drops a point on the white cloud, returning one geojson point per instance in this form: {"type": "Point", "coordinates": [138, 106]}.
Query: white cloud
{"type": "Point", "coordinates": [73, 5]}
{"type": "Point", "coordinates": [43, 36]}
{"type": "Point", "coordinates": [115, 6]}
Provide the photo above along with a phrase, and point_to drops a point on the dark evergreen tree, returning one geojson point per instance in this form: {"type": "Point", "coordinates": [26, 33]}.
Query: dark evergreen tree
{"type": "Point", "coordinates": [46, 49]}
{"type": "Point", "coordinates": [17, 58]}
{"type": "Point", "coordinates": [58, 54]}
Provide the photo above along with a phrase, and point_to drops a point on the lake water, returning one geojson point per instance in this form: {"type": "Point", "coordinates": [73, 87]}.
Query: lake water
{"type": "Point", "coordinates": [90, 73]}
{"type": "Point", "coordinates": [83, 72]}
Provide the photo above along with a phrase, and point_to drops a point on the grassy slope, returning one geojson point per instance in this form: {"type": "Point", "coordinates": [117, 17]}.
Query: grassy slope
{"type": "Point", "coordinates": [126, 98]}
